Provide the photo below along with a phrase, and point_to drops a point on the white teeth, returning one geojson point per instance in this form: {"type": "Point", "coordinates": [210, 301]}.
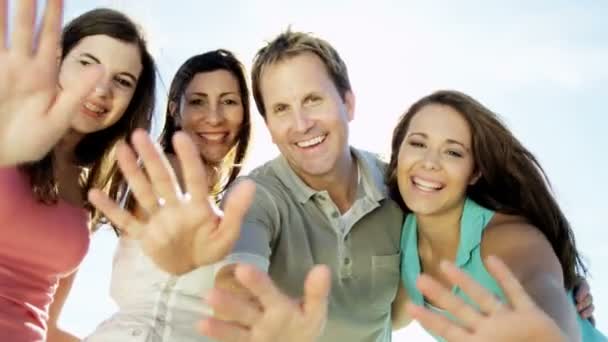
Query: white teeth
{"type": "Point", "coordinates": [426, 185]}
{"type": "Point", "coordinates": [94, 108]}
{"type": "Point", "coordinates": [312, 142]}
{"type": "Point", "coordinates": [213, 136]}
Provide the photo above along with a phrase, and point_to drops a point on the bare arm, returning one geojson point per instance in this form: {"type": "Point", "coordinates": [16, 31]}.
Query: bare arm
{"type": "Point", "coordinates": [55, 334]}
{"type": "Point", "coordinates": [529, 255]}
{"type": "Point", "coordinates": [399, 316]}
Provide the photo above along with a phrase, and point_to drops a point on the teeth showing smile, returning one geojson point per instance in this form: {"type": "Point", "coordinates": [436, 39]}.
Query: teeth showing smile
{"type": "Point", "coordinates": [311, 142]}
{"type": "Point", "coordinates": [426, 185]}
{"type": "Point", "coordinates": [213, 136]}
{"type": "Point", "coordinates": [94, 108]}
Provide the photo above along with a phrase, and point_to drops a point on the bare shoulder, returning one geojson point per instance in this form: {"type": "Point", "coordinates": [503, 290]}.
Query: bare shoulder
{"type": "Point", "coordinates": [520, 244]}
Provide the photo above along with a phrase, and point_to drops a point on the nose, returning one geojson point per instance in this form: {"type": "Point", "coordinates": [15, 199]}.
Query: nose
{"type": "Point", "coordinates": [431, 160]}
{"type": "Point", "coordinates": [104, 87]}
{"type": "Point", "coordinates": [303, 123]}
{"type": "Point", "coordinates": [215, 115]}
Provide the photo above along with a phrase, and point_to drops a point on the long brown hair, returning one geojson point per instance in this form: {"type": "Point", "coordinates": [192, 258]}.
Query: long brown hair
{"type": "Point", "coordinates": [94, 153]}
{"type": "Point", "coordinates": [207, 62]}
{"type": "Point", "coordinates": [512, 180]}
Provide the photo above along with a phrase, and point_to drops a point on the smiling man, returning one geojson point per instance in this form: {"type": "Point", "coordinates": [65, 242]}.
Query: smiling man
{"type": "Point", "coordinates": [321, 201]}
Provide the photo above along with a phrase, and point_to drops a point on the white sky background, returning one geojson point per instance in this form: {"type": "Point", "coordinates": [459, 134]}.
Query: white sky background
{"type": "Point", "coordinates": [541, 66]}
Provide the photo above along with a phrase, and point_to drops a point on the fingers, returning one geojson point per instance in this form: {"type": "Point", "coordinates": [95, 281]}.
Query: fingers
{"type": "Point", "coordinates": [162, 176]}
{"type": "Point", "coordinates": [261, 286]}
{"type": "Point", "coordinates": [437, 323]}
{"type": "Point", "coordinates": [487, 302]}
{"type": "Point", "coordinates": [316, 291]}
{"type": "Point", "coordinates": [445, 299]}
{"type": "Point", "coordinates": [136, 178]}
{"type": "Point", "coordinates": [582, 289]}
{"type": "Point", "coordinates": [224, 331]}
{"type": "Point", "coordinates": [3, 24]}
{"type": "Point", "coordinates": [233, 307]}
{"type": "Point", "coordinates": [587, 313]}
{"type": "Point", "coordinates": [23, 29]}
{"type": "Point", "coordinates": [68, 104]}
{"type": "Point", "coordinates": [193, 169]}
{"type": "Point", "coordinates": [50, 31]}
{"type": "Point", "coordinates": [514, 291]}
{"type": "Point", "coordinates": [584, 303]}
{"type": "Point", "coordinates": [237, 203]}
{"type": "Point", "coordinates": [120, 217]}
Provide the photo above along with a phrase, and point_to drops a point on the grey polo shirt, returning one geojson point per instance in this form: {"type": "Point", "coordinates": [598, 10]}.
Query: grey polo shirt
{"type": "Point", "coordinates": [291, 227]}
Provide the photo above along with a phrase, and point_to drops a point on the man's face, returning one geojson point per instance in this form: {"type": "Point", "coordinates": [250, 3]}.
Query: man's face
{"type": "Point", "coordinates": [307, 117]}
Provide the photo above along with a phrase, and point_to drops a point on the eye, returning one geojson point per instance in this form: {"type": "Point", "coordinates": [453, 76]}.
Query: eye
{"type": "Point", "coordinates": [84, 62]}
{"type": "Point", "coordinates": [416, 144]}
{"type": "Point", "coordinates": [279, 109]}
{"type": "Point", "coordinates": [312, 99]}
{"type": "Point", "coordinates": [125, 83]}
{"type": "Point", "coordinates": [195, 102]}
{"type": "Point", "coordinates": [230, 102]}
{"type": "Point", "coordinates": [453, 153]}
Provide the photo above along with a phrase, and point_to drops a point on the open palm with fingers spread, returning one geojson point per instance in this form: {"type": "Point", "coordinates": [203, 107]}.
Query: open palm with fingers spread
{"type": "Point", "coordinates": [272, 316]}
{"type": "Point", "coordinates": [519, 320]}
{"type": "Point", "coordinates": [35, 113]}
{"type": "Point", "coordinates": [183, 229]}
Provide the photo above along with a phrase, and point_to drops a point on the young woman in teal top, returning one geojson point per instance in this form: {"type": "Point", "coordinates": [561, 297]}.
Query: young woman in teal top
{"type": "Point", "coordinates": [472, 191]}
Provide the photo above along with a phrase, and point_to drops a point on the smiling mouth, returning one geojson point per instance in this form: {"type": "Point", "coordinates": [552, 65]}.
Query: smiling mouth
{"type": "Point", "coordinates": [425, 185]}
{"type": "Point", "coordinates": [213, 137]}
{"type": "Point", "coordinates": [312, 142]}
{"type": "Point", "coordinates": [95, 109]}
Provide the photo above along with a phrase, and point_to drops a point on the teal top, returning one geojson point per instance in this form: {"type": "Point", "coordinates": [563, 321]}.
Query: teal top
{"type": "Point", "coordinates": [474, 220]}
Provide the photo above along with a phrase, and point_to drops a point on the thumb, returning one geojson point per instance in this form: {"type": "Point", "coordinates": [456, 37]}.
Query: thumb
{"type": "Point", "coordinates": [70, 98]}
{"type": "Point", "coordinates": [316, 290]}
{"type": "Point", "coordinates": [237, 203]}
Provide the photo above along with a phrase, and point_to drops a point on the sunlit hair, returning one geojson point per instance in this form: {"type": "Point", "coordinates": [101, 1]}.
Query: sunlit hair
{"type": "Point", "coordinates": [94, 153]}
{"type": "Point", "coordinates": [512, 181]}
{"type": "Point", "coordinates": [209, 62]}
{"type": "Point", "coordinates": [290, 44]}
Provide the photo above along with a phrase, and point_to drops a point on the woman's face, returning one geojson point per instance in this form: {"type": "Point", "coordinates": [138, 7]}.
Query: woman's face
{"type": "Point", "coordinates": [211, 112]}
{"type": "Point", "coordinates": [435, 164]}
{"type": "Point", "coordinates": [110, 99]}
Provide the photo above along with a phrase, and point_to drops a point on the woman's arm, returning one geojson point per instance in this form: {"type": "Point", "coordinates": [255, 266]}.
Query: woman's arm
{"type": "Point", "coordinates": [529, 255]}
{"type": "Point", "coordinates": [55, 334]}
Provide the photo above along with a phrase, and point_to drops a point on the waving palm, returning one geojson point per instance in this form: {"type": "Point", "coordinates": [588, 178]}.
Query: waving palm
{"type": "Point", "coordinates": [184, 230]}
{"type": "Point", "coordinates": [34, 113]}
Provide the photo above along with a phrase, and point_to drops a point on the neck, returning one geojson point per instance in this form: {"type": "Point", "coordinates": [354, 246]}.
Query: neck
{"type": "Point", "coordinates": [65, 149]}
{"type": "Point", "coordinates": [439, 234]}
{"type": "Point", "coordinates": [340, 183]}
{"type": "Point", "coordinates": [213, 174]}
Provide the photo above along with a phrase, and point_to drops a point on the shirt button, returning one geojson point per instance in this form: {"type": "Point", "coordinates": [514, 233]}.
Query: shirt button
{"type": "Point", "coordinates": [335, 214]}
{"type": "Point", "coordinates": [346, 261]}
{"type": "Point", "coordinates": [136, 332]}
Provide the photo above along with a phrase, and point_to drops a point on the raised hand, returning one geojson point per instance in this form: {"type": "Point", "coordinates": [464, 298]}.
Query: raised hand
{"type": "Point", "coordinates": [272, 316]}
{"type": "Point", "coordinates": [183, 229]}
{"type": "Point", "coordinates": [34, 113]}
{"type": "Point", "coordinates": [518, 320]}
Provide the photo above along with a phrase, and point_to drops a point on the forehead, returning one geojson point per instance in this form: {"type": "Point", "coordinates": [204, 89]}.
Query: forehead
{"type": "Point", "coordinates": [114, 54]}
{"type": "Point", "coordinates": [221, 81]}
{"type": "Point", "coordinates": [441, 121]}
{"type": "Point", "coordinates": [293, 75]}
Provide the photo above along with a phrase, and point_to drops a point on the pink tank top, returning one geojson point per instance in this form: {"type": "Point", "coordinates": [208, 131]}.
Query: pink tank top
{"type": "Point", "coordinates": [38, 245]}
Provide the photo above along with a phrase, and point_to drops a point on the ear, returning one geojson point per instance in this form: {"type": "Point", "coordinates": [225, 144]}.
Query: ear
{"type": "Point", "coordinates": [349, 101]}
{"type": "Point", "coordinates": [174, 112]}
{"type": "Point", "coordinates": [475, 177]}
{"type": "Point", "coordinates": [59, 51]}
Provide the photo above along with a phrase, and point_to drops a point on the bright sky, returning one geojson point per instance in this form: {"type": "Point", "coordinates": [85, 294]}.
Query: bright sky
{"type": "Point", "coordinates": [541, 66]}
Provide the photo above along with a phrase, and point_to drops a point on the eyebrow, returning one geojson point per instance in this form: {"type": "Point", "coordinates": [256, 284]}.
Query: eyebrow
{"type": "Point", "coordinates": [206, 95]}
{"type": "Point", "coordinates": [127, 74]}
{"type": "Point", "coordinates": [449, 141]}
